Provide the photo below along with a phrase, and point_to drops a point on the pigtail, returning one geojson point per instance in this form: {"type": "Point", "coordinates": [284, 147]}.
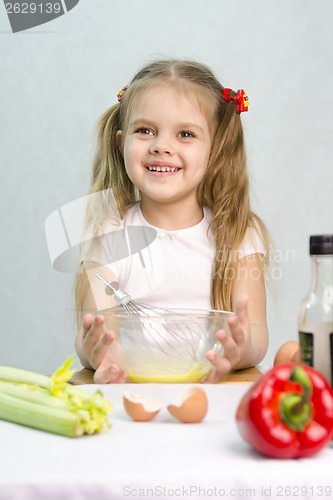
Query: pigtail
{"type": "Point", "coordinates": [225, 188]}
{"type": "Point", "coordinates": [108, 173]}
{"type": "Point", "coordinates": [108, 167]}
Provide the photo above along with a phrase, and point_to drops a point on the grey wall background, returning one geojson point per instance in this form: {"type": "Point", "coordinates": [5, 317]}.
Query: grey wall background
{"type": "Point", "coordinates": [58, 78]}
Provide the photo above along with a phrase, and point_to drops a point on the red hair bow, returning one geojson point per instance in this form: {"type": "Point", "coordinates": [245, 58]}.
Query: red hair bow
{"type": "Point", "coordinates": [241, 100]}
{"type": "Point", "coordinates": [121, 93]}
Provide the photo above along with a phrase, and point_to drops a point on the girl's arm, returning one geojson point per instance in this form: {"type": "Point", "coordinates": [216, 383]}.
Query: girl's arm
{"type": "Point", "coordinates": [93, 339]}
{"type": "Point", "coordinates": [250, 280]}
{"type": "Point", "coordinates": [248, 342]}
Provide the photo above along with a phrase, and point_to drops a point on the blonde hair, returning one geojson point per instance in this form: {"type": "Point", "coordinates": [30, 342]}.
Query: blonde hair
{"type": "Point", "coordinates": [225, 185]}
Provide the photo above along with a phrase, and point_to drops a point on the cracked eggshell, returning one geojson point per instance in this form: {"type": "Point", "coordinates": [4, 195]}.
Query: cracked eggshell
{"type": "Point", "coordinates": [141, 408]}
{"type": "Point", "coordinates": [190, 406]}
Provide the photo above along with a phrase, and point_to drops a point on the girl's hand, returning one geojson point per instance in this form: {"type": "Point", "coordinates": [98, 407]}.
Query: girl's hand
{"type": "Point", "coordinates": [96, 342]}
{"type": "Point", "coordinates": [237, 346]}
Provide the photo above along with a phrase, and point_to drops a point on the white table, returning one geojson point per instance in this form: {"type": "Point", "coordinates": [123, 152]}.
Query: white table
{"type": "Point", "coordinates": [158, 459]}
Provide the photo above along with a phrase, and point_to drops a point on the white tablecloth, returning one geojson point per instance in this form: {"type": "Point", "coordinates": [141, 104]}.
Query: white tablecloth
{"type": "Point", "coordinates": [159, 459]}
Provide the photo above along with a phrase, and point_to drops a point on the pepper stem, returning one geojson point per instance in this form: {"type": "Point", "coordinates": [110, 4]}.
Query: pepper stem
{"type": "Point", "coordinates": [296, 409]}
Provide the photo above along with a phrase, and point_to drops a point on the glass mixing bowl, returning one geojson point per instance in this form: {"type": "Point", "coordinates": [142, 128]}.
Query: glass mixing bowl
{"type": "Point", "coordinates": [165, 348]}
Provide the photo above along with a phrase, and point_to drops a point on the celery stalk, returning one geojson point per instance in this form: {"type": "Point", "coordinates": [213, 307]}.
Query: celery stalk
{"type": "Point", "coordinates": [51, 403]}
{"type": "Point", "coordinates": [32, 394]}
{"type": "Point", "coordinates": [18, 375]}
{"type": "Point", "coordinates": [39, 416]}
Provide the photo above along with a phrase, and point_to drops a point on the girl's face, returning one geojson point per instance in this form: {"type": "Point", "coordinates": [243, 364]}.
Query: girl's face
{"type": "Point", "coordinates": [166, 146]}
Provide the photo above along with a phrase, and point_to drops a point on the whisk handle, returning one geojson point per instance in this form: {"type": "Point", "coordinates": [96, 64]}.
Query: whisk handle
{"type": "Point", "coordinates": [112, 288]}
{"type": "Point", "coordinates": [121, 296]}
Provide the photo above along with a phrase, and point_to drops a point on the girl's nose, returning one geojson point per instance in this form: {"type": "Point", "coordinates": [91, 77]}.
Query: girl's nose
{"type": "Point", "coordinates": [161, 146]}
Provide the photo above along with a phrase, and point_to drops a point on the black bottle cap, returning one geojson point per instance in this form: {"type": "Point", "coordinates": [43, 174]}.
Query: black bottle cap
{"type": "Point", "coordinates": [321, 244]}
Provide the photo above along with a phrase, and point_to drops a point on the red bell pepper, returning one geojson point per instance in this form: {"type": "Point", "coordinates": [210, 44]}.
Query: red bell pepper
{"type": "Point", "coordinates": [288, 412]}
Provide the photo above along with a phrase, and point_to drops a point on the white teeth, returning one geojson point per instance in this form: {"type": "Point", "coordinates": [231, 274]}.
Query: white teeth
{"type": "Point", "coordinates": [162, 169]}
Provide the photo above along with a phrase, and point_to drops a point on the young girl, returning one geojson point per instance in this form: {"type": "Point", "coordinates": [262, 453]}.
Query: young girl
{"type": "Point", "coordinates": [172, 150]}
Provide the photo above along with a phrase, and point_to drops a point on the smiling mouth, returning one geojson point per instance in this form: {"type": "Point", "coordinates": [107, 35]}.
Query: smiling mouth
{"type": "Point", "coordinates": [152, 168]}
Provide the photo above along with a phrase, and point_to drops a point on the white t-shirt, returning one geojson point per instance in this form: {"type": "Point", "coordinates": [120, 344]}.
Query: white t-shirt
{"type": "Point", "coordinates": [166, 268]}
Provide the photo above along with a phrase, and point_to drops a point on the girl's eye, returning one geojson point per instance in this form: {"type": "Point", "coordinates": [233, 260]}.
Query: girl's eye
{"type": "Point", "coordinates": [186, 133]}
{"type": "Point", "coordinates": [144, 130]}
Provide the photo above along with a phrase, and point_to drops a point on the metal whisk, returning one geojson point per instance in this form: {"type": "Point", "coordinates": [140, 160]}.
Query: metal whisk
{"type": "Point", "coordinates": [159, 328]}
{"type": "Point", "coordinates": [130, 305]}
